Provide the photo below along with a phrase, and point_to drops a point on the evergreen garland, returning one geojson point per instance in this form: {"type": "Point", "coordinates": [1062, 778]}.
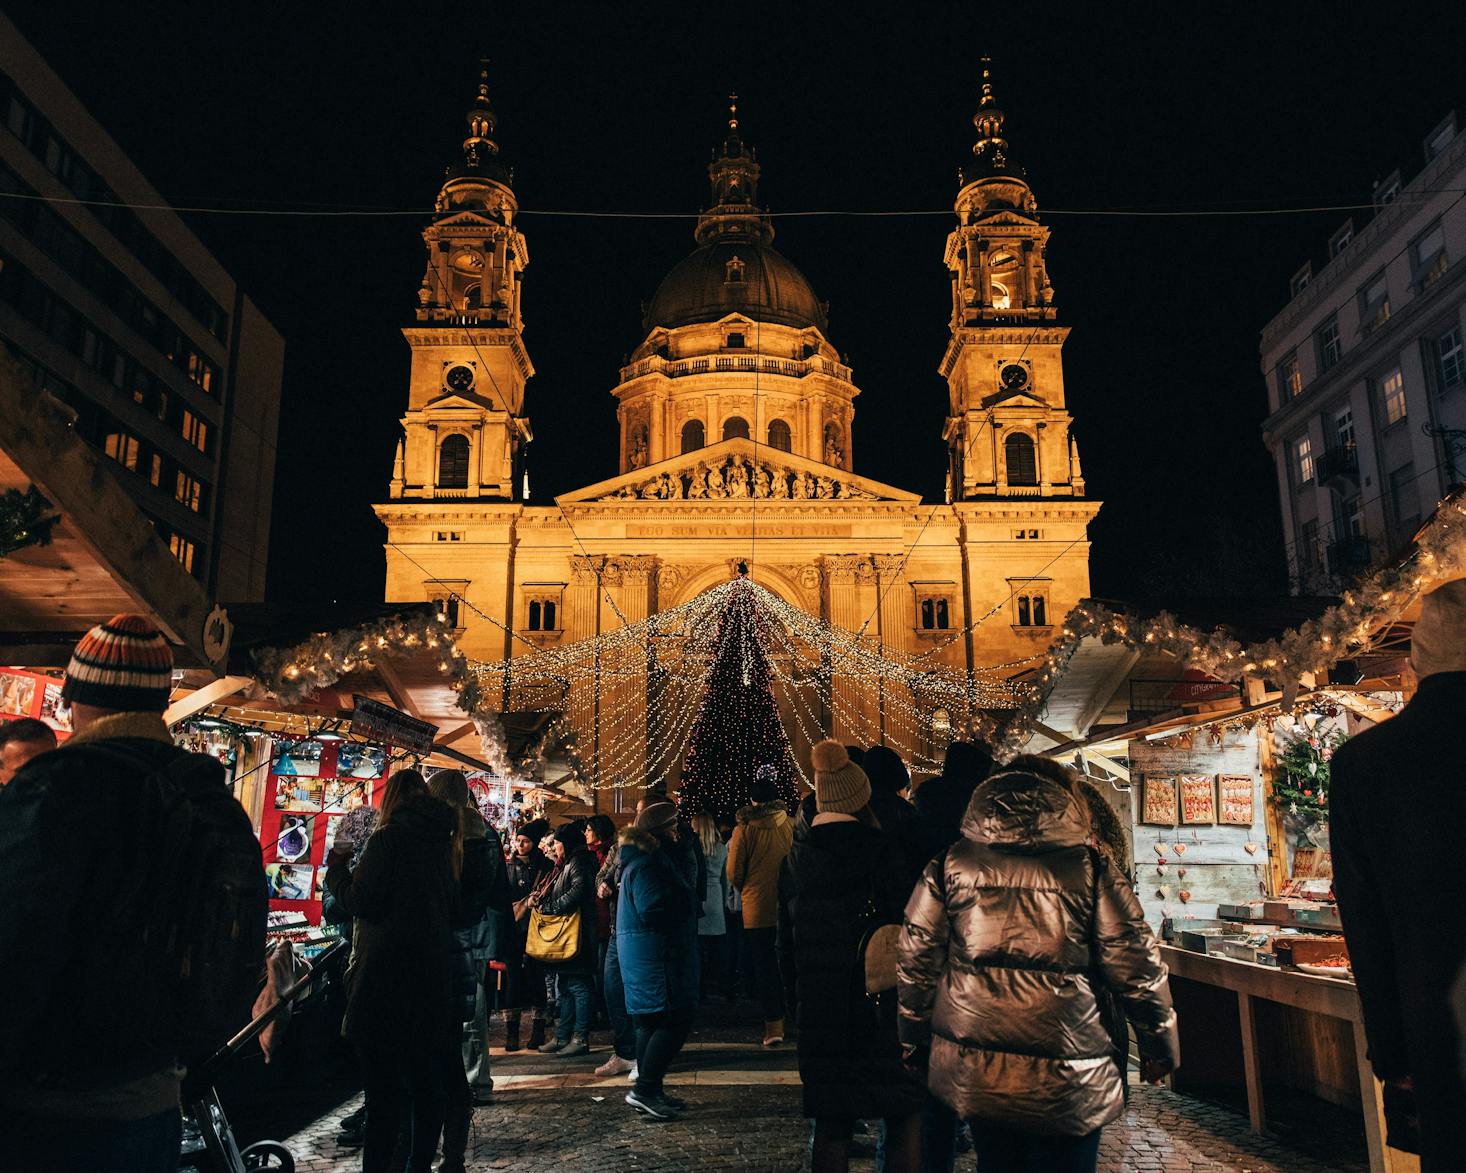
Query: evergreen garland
{"type": "Point", "coordinates": [25, 520]}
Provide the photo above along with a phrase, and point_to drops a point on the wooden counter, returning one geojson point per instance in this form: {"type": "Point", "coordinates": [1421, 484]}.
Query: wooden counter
{"type": "Point", "coordinates": [1338, 1046]}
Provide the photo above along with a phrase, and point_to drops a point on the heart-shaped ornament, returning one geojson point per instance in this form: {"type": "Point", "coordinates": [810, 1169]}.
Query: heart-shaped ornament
{"type": "Point", "coordinates": [1160, 865]}
{"type": "Point", "coordinates": [1250, 848]}
{"type": "Point", "coordinates": [1163, 891]}
{"type": "Point", "coordinates": [1181, 872]}
{"type": "Point", "coordinates": [1160, 848]}
{"type": "Point", "coordinates": [1179, 848]}
{"type": "Point", "coordinates": [1184, 895]}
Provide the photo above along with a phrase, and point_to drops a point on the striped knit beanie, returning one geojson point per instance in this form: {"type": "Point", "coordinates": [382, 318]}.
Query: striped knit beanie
{"type": "Point", "coordinates": [124, 665]}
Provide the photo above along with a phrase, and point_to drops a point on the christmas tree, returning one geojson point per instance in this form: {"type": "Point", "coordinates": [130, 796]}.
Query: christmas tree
{"type": "Point", "coordinates": [737, 728]}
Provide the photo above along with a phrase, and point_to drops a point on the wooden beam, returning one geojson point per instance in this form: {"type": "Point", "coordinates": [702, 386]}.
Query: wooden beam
{"type": "Point", "coordinates": [201, 698]}
{"type": "Point", "coordinates": [453, 735]}
{"type": "Point", "coordinates": [396, 689]}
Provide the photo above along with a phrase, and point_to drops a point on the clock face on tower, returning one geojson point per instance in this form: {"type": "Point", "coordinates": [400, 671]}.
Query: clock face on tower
{"type": "Point", "coordinates": [1014, 376]}
{"type": "Point", "coordinates": [459, 379]}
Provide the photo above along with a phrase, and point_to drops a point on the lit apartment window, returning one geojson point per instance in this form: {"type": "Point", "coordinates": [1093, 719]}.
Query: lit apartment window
{"type": "Point", "coordinates": [201, 371]}
{"type": "Point", "coordinates": [187, 491]}
{"type": "Point", "coordinates": [1303, 459]}
{"type": "Point", "coordinates": [1451, 358]}
{"type": "Point", "coordinates": [122, 448]}
{"type": "Point", "coordinates": [1031, 609]}
{"type": "Point", "coordinates": [1428, 256]}
{"type": "Point", "coordinates": [182, 549]}
{"type": "Point", "coordinates": [155, 471]}
{"type": "Point", "coordinates": [1374, 304]}
{"type": "Point", "coordinates": [1299, 281]}
{"type": "Point", "coordinates": [1392, 396]}
{"type": "Point", "coordinates": [1290, 378]}
{"type": "Point", "coordinates": [1330, 347]}
{"type": "Point", "coordinates": [195, 430]}
{"type": "Point", "coordinates": [1339, 241]}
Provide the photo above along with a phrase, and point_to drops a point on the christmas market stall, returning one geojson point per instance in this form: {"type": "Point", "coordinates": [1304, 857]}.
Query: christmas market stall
{"type": "Point", "coordinates": [1212, 734]}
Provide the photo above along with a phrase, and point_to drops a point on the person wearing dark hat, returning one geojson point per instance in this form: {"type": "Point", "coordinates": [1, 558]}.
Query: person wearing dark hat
{"type": "Point", "coordinates": [850, 1064]}
{"type": "Point", "coordinates": [889, 780]}
{"type": "Point", "coordinates": [941, 802]}
{"type": "Point", "coordinates": [524, 977]}
{"type": "Point", "coordinates": [572, 888]}
{"type": "Point", "coordinates": [656, 945]}
{"type": "Point", "coordinates": [1396, 794]}
{"type": "Point", "coordinates": [92, 1048]}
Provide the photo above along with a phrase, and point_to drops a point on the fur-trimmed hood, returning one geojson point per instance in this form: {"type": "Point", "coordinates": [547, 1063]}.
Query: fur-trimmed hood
{"type": "Point", "coordinates": [773, 811]}
{"type": "Point", "coordinates": [643, 841]}
{"type": "Point", "coordinates": [1028, 805]}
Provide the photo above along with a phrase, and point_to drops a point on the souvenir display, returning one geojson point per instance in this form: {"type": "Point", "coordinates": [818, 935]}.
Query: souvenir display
{"type": "Point", "coordinates": [1198, 799]}
{"type": "Point", "coordinates": [320, 787]}
{"type": "Point", "coordinates": [1235, 798]}
{"type": "Point", "coordinates": [1158, 804]}
{"type": "Point", "coordinates": [16, 693]}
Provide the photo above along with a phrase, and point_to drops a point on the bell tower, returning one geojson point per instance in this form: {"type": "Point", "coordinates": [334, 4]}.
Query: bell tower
{"type": "Point", "coordinates": [465, 428]}
{"type": "Point", "coordinates": [1007, 432]}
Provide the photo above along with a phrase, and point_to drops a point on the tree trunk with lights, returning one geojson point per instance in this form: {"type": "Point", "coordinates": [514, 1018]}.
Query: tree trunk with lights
{"type": "Point", "coordinates": [737, 729]}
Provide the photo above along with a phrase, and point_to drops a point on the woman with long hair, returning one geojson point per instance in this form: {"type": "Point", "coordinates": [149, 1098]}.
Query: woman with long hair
{"type": "Point", "coordinates": [1011, 941]}
{"type": "Point", "coordinates": [712, 925]}
{"type": "Point", "coordinates": [399, 983]}
{"type": "Point", "coordinates": [572, 888]}
{"type": "Point", "coordinates": [478, 862]}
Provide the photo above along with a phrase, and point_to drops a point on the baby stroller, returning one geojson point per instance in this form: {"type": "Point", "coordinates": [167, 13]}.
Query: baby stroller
{"type": "Point", "coordinates": [209, 1146]}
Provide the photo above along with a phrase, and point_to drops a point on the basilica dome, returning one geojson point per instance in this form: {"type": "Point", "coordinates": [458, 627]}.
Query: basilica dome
{"type": "Point", "coordinates": [732, 275]}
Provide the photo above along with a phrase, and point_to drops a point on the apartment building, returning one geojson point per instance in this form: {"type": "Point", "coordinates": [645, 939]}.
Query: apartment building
{"type": "Point", "coordinates": [1366, 373]}
{"type": "Point", "coordinates": [121, 313]}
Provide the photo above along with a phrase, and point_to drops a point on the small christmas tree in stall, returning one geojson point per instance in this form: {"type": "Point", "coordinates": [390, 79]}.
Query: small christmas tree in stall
{"type": "Point", "coordinates": [737, 728]}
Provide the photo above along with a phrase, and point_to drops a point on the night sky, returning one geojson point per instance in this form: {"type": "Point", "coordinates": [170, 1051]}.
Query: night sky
{"type": "Point", "coordinates": [614, 109]}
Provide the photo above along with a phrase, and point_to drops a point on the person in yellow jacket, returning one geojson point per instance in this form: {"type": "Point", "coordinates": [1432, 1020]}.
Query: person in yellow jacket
{"type": "Point", "coordinates": [760, 842]}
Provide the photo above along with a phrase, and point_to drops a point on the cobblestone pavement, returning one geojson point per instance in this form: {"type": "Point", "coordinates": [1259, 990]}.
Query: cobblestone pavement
{"type": "Point", "coordinates": [744, 1113]}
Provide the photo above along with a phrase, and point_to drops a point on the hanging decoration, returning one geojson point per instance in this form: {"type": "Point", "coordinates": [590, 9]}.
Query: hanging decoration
{"type": "Point", "coordinates": [1302, 785]}
{"type": "Point", "coordinates": [26, 519]}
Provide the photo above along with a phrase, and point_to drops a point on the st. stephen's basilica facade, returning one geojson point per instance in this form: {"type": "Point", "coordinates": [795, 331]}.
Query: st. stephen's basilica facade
{"type": "Point", "coordinates": [737, 440]}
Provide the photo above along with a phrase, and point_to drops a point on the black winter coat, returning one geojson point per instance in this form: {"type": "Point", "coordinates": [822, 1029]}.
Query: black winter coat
{"type": "Point", "coordinates": [404, 958]}
{"type": "Point", "coordinates": [900, 822]}
{"type": "Point", "coordinates": [72, 859]}
{"type": "Point", "coordinates": [849, 1057]}
{"type": "Point", "coordinates": [940, 804]}
{"type": "Point", "coordinates": [1398, 793]}
{"type": "Point", "coordinates": [524, 984]}
{"type": "Point", "coordinates": [574, 886]}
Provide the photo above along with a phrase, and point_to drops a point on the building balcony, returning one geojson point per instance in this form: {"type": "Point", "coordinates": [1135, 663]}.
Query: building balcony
{"type": "Point", "coordinates": [1338, 467]}
{"type": "Point", "coordinates": [1348, 556]}
{"type": "Point", "coordinates": [680, 368]}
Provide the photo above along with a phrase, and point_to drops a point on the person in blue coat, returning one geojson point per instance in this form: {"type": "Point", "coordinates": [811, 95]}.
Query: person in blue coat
{"type": "Point", "coordinates": [656, 943]}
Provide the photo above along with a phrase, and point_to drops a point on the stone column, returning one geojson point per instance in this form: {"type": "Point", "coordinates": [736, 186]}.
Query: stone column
{"type": "Point", "coordinates": [850, 599]}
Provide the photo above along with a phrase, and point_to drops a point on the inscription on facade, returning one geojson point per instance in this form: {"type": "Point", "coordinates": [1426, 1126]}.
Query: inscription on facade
{"type": "Point", "coordinates": [673, 529]}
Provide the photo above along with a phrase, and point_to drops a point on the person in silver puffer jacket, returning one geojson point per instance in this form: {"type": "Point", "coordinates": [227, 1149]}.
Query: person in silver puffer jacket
{"type": "Point", "coordinates": [1007, 937]}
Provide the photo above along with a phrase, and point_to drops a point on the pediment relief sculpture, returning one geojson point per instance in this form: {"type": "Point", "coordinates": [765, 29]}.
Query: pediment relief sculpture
{"type": "Point", "coordinates": [737, 477]}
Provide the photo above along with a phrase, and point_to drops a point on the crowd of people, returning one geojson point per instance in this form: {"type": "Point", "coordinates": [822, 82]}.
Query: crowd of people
{"type": "Point", "coordinates": [960, 964]}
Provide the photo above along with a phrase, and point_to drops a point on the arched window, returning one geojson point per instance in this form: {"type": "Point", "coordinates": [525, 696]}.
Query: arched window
{"type": "Point", "coordinates": [1002, 299]}
{"type": "Point", "coordinates": [474, 298]}
{"type": "Point", "coordinates": [1021, 458]}
{"type": "Point", "coordinates": [735, 427]}
{"type": "Point", "coordinates": [453, 462]}
{"type": "Point", "coordinates": [693, 436]}
{"type": "Point", "coordinates": [779, 436]}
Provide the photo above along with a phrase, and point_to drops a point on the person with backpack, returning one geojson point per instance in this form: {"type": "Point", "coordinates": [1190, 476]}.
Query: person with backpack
{"type": "Point", "coordinates": [483, 896]}
{"type": "Point", "coordinates": [1008, 939]}
{"type": "Point", "coordinates": [132, 920]}
{"type": "Point", "coordinates": [843, 880]}
{"type": "Point", "coordinates": [402, 1010]}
